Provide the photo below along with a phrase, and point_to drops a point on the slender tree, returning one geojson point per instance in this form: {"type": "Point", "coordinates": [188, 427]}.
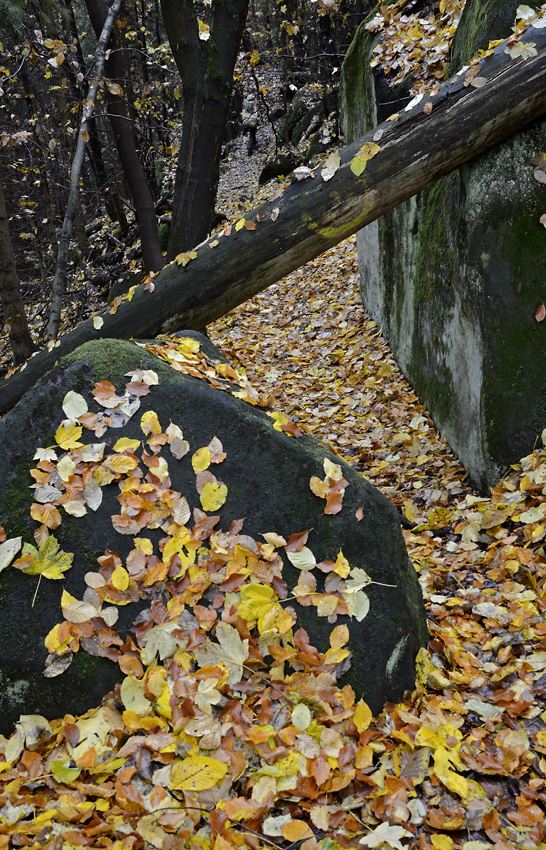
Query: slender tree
{"type": "Point", "coordinates": [11, 300]}
{"type": "Point", "coordinates": [75, 172]}
{"type": "Point", "coordinates": [122, 126]}
{"type": "Point", "coordinates": [205, 57]}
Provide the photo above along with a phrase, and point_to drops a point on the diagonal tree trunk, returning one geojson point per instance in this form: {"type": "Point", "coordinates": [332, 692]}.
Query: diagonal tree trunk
{"type": "Point", "coordinates": [409, 155]}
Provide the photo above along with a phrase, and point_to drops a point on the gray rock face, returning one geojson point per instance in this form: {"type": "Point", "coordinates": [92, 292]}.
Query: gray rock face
{"type": "Point", "coordinates": [132, 493]}
{"type": "Point", "coordinates": [455, 275]}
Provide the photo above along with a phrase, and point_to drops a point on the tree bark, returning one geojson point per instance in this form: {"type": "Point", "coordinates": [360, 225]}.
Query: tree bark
{"type": "Point", "coordinates": [314, 215]}
{"type": "Point", "coordinates": [125, 142]}
{"type": "Point", "coordinates": [59, 279]}
{"type": "Point", "coordinates": [206, 71]}
{"type": "Point", "coordinates": [13, 308]}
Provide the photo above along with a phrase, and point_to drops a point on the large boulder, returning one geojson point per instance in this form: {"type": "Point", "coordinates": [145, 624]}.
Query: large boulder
{"type": "Point", "coordinates": [122, 503]}
{"type": "Point", "coordinates": [454, 276]}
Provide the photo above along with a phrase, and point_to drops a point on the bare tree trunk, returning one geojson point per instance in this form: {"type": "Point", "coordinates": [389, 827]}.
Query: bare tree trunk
{"type": "Point", "coordinates": [13, 308]}
{"type": "Point", "coordinates": [134, 173]}
{"type": "Point", "coordinates": [206, 70]}
{"type": "Point", "coordinates": [376, 173]}
{"type": "Point", "coordinates": [77, 162]}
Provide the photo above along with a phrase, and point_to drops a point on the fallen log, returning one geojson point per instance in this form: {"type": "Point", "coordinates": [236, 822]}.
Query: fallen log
{"type": "Point", "coordinates": [386, 167]}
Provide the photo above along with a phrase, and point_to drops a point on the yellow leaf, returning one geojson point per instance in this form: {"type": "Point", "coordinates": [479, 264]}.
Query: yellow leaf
{"type": "Point", "coordinates": [443, 760]}
{"type": "Point", "coordinates": [120, 578]}
{"type": "Point", "coordinates": [256, 601]}
{"type": "Point", "coordinates": [341, 566]}
{"type": "Point", "coordinates": [201, 459]}
{"type": "Point", "coordinates": [198, 773]}
{"type": "Point", "coordinates": [145, 544]}
{"type": "Point", "coordinates": [48, 560]}
{"type": "Point", "coordinates": [213, 496]}
{"type": "Point", "coordinates": [124, 444]}
{"type": "Point", "coordinates": [335, 654]}
{"type": "Point", "coordinates": [67, 436]}
{"type": "Point", "coordinates": [240, 224]}
{"type": "Point", "coordinates": [366, 152]}
{"type": "Point", "coordinates": [184, 258]}
{"type": "Point", "coordinates": [339, 636]}
{"type": "Point", "coordinates": [150, 423]}
{"type": "Point", "coordinates": [443, 842]}
{"type": "Point", "coordinates": [122, 464]}
{"type": "Point", "coordinates": [362, 716]}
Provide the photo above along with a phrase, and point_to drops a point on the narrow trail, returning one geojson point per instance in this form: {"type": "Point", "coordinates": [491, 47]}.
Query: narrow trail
{"type": "Point", "coordinates": [481, 693]}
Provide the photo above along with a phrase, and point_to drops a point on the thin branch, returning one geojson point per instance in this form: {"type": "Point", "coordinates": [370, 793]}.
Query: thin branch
{"type": "Point", "coordinates": [73, 193]}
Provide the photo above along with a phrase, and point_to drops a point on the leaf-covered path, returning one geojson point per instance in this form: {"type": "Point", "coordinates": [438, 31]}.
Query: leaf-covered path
{"type": "Point", "coordinates": [462, 762]}
{"type": "Point", "coordinates": [177, 761]}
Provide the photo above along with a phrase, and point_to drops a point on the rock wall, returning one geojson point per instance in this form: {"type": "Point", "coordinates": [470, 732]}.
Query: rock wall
{"type": "Point", "coordinates": [455, 275]}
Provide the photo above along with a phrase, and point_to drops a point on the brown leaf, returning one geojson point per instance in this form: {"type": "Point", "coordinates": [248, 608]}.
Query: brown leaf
{"type": "Point", "coordinates": [297, 541]}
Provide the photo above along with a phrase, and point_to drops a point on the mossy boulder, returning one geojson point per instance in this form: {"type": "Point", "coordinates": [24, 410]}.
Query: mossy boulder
{"type": "Point", "coordinates": [455, 275]}
{"type": "Point", "coordinates": [267, 473]}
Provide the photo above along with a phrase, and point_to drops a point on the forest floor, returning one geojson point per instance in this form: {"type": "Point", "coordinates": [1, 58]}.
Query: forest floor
{"type": "Point", "coordinates": [480, 561]}
{"type": "Point", "coordinates": [461, 761]}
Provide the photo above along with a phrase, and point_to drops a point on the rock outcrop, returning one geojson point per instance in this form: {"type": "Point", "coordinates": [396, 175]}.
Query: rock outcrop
{"type": "Point", "coordinates": [159, 498]}
{"type": "Point", "coordinates": [454, 276]}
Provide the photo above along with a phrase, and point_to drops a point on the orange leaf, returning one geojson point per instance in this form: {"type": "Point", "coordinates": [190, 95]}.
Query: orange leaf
{"type": "Point", "coordinates": [46, 514]}
{"type": "Point", "coordinates": [131, 665]}
{"type": "Point", "coordinates": [296, 830]}
{"type": "Point", "coordinates": [540, 314]}
{"type": "Point", "coordinates": [297, 541]}
{"type": "Point", "coordinates": [333, 503]}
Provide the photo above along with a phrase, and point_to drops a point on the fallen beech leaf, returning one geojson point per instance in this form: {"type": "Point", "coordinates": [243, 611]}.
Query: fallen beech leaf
{"type": "Point", "coordinates": [74, 405]}
{"type": "Point", "coordinates": [540, 313]}
{"type": "Point", "coordinates": [8, 551]}
{"type": "Point", "coordinates": [197, 773]}
{"type": "Point", "coordinates": [67, 436]}
{"type": "Point", "coordinates": [213, 496]}
{"type": "Point", "coordinates": [296, 830]}
{"type": "Point", "coordinates": [330, 166]}
{"type": "Point", "coordinates": [302, 560]}
{"type": "Point", "coordinates": [75, 611]}
{"type": "Point", "coordinates": [361, 159]}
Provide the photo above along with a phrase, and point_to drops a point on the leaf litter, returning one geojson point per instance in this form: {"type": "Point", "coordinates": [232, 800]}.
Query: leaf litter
{"type": "Point", "coordinates": [229, 730]}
